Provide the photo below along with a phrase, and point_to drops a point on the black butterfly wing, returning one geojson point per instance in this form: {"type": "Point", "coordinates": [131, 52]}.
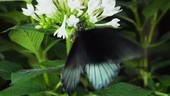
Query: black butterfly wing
{"type": "Point", "coordinates": [98, 52]}
{"type": "Point", "coordinates": [106, 43]}
{"type": "Point", "coordinates": [106, 48]}
{"type": "Point", "coordinates": [74, 66]}
{"type": "Point", "coordinates": [101, 74]}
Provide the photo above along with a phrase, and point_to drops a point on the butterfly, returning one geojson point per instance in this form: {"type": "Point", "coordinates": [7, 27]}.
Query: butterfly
{"type": "Point", "coordinates": [97, 53]}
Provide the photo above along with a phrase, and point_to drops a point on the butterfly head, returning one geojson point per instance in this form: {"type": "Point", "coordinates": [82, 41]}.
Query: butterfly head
{"type": "Point", "coordinates": [80, 26]}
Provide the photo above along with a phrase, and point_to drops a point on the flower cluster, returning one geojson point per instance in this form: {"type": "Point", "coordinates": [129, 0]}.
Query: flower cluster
{"type": "Point", "coordinates": [65, 14]}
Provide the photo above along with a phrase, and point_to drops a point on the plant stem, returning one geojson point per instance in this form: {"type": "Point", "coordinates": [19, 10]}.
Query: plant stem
{"type": "Point", "coordinates": [146, 44]}
{"type": "Point", "coordinates": [68, 44]}
{"type": "Point", "coordinates": [45, 75]}
{"type": "Point", "coordinates": [52, 93]}
{"type": "Point", "coordinates": [137, 20]}
{"type": "Point", "coordinates": [144, 72]}
{"type": "Point", "coordinates": [144, 63]}
{"type": "Point", "coordinates": [161, 94]}
{"type": "Point", "coordinates": [153, 25]}
{"type": "Point", "coordinates": [138, 23]}
{"type": "Point", "coordinates": [57, 86]}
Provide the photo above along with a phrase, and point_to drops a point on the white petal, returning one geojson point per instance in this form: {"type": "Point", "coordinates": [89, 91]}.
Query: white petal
{"type": "Point", "coordinates": [46, 7]}
{"type": "Point", "coordinates": [114, 23]}
{"type": "Point", "coordinates": [75, 4]}
{"type": "Point", "coordinates": [108, 3]}
{"type": "Point", "coordinates": [93, 19]}
{"type": "Point", "coordinates": [39, 11]}
{"type": "Point", "coordinates": [29, 11]}
{"type": "Point", "coordinates": [30, 7]}
{"type": "Point", "coordinates": [93, 5]}
{"type": "Point", "coordinates": [26, 12]}
{"type": "Point", "coordinates": [109, 11]}
{"type": "Point", "coordinates": [61, 32]}
{"type": "Point", "coordinates": [72, 21]}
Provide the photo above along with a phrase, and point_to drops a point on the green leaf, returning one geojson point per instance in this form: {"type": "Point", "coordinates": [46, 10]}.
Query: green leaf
{"type": "Point", "coordinates": [152, 8]}
{"type": "Point", "coordinates": [165, 37]}
{"type": "Point", "coordinates": [31, 27]}
{"type": "Point", "coordinates": [27, 39]}
{"type": "Point", "coordinates": [29, 82]}
{"type": "Point", "coordinates": [7, 45]}
{"type": "Point", "coordinates": [165, 6]}
{"type": "Point", "coordinates": [14, 17]}
{"type": "Point", "coordinates": [130, 5]}
{"type": "Point", "coordinates": [54, 79]}
{"type": "Point", "coordinates": [165, 80]}
{"type": "Point", "coordinates": [159, 65]}
{"type": "Point", "coordinates": [50, 45]}
{"type": "Point", "coordinates": [3, 48]}
{"type": "Point", "coordinates": [59, 50]}
{"type": "Point", "coordinates": [38, 94]}
{"type": "Point", "coordinates": [126, 18]}
{"type": "Point", "coordinates": [3, 7]}
{"type": "Point", "coordinates": [123, 89]}
{"type": "Point", "coordinates": [26, 75]}
{"type": "Point", "coordinates": [162, 40]}
{"type": "Point", "coordinates": [129, 34]}
{"type": "Point", "coordinates": [6, 68]}
{"type": "Point", "coordinates": [10, 0]}
{"type": "Point", "coordinates": [52, 63]}
{"type": "Point", "coordinates": [23, 88]}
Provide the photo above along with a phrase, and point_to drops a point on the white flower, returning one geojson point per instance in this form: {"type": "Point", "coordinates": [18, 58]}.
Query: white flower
{"type": "Point", "coordinates": [75, 4]}
{"type": "Point", "coordinates": [109, 8]}
{"type": "Point", "coordinates": [72, 21]}
{"type": "Point", "coordinates": [110, 11]}
{"type": "Point", "coordinates": [113, 23]}
{"type": "Point", "coordinates": [107, 2]}
{"type": "Point", "coordinates": [61, 32]}
{"type": "Point", "coordinates": [46, 7]}
{"type": "Point", "coordinates": [29, 11]}
{"type": "Point", "coordinates": [93, 5]}
{"type": "Point", "coordinates": [50, 12]}
{"type": "Point", "coordinates": [93, 19]}
{"type": "Point", "coordinates": [100, 9]}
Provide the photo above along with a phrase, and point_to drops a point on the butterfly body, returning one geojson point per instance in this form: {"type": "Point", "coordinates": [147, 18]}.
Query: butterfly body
{"type": "Point", "coordinates": [98, 53]}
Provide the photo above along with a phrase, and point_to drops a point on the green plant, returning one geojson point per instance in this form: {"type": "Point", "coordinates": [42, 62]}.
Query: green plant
{"type": "Point", "coordinates": [33, 59]}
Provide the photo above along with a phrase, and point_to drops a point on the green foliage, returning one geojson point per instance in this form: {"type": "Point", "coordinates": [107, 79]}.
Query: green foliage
{"type": "Point", "coordinates": [14, 17]}
{"type": "Point", "coordinates": [52, 63]}
{"type": "Point", "coordinates": [33, 59]}
{"type": "Point", "coordinates": [7, 68]}
{"type": "Point", "coordinates": [123, 89]}
{"type": "Point", "coordinates": [165, 80]}
{"type": "Point", "coordinates": [22, 89]}
{"type": "Point", "coordinates": [29, 82]}
{"type": "Point", "coordinates": [153, 8]}
{"type": "Point", "coordinates": [28, 39]}
{"type": "Point", "coordinates": [159, 65]}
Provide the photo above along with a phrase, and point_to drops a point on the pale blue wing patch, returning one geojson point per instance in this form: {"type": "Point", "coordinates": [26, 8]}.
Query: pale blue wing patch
{"type": "Point", "coordinates": [71, 77]}
{"type": "Point", "coordinates": [100, 75]}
